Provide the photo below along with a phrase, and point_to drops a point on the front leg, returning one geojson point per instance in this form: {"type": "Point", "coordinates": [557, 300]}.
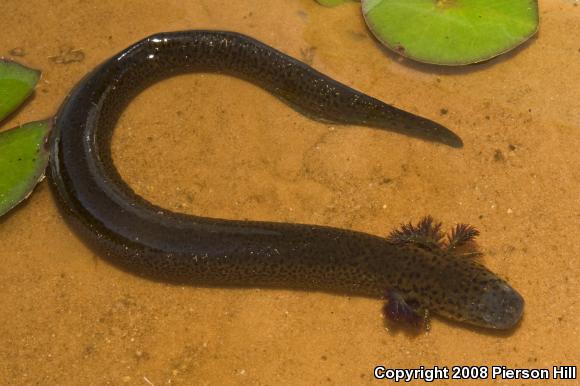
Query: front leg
{"type": "Point", "coordinates": [401, 311]}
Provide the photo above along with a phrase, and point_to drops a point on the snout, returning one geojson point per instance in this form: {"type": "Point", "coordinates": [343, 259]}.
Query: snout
{"type": "Point", "coordinates": [502, 307]}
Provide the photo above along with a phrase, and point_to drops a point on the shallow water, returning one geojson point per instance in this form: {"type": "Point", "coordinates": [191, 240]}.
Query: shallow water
{"type": "Point", "coordinates": [218, 146]}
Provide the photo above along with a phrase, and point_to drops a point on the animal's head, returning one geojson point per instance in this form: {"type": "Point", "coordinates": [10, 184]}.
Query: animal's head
{"type": "Point", "coordinates": [439, 276]}
{"type": "Point", "coordinates": [469, 292]}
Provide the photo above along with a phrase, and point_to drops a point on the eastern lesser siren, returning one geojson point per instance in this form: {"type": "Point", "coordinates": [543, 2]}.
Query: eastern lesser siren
{"type": "Point", "coordinates": [419, 272]}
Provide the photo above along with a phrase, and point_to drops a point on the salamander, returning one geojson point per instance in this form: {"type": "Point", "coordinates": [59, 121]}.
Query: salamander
{"type": "Point", "coordinates": [416, 269]}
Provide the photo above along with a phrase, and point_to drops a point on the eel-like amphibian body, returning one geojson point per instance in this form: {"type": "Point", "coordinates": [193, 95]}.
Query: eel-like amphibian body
{"type": "Point", "coordinates": [416, 273]}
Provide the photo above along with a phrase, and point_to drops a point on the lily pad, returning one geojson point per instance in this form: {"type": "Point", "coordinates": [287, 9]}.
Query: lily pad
{"type": "Point", "coordinates": [23, 160]}
{"type": "Point", "coordinates": [451, 32]}
{"type": "Point", "coordinates": [16, 84]}
{"type": "Point", "coordinates": [331, 3]}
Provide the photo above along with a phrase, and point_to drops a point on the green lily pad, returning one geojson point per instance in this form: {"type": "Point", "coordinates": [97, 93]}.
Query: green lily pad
{"type": "Point", "coordinates": [16, 84]}
{"type": "Point", "coordinates": [451, 32]}
{"type": "Point", "coordinates": [331, 3]}
{"type": "Point", "coordinates": [23, 160]}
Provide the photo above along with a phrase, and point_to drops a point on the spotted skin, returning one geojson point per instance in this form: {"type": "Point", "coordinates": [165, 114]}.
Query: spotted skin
{"type": "Point", "coordinates": [449, 282]}
{"type": "Point", "coordinates": [151, 241]}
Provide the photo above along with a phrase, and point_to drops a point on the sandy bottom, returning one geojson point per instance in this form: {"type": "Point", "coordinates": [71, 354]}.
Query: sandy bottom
{"type": "Point", "coordinates": [218, 146]}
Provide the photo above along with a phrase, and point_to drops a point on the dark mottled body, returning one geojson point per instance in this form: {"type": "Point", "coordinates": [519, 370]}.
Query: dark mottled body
{"type": "Point", "coordinates": [151, 241]}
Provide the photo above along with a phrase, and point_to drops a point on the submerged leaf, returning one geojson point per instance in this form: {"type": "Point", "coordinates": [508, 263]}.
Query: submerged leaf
{"type": "Point", "coordinates": [16, 84]}
{"type": "Point", "coordinates": [23, 160]}
{"type": "Point", "coordinates": [451, 32]}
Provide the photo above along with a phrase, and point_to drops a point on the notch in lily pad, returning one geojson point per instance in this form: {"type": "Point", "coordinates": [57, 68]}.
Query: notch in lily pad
{"type": "Point", "coordinates": [23, 150]}
{"type": "Point", "coordinates": [23, 160]}
{"type": "Point", "coordinates": [16, 84]}
{"type": "Point", "coordinates": [451, 32]}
